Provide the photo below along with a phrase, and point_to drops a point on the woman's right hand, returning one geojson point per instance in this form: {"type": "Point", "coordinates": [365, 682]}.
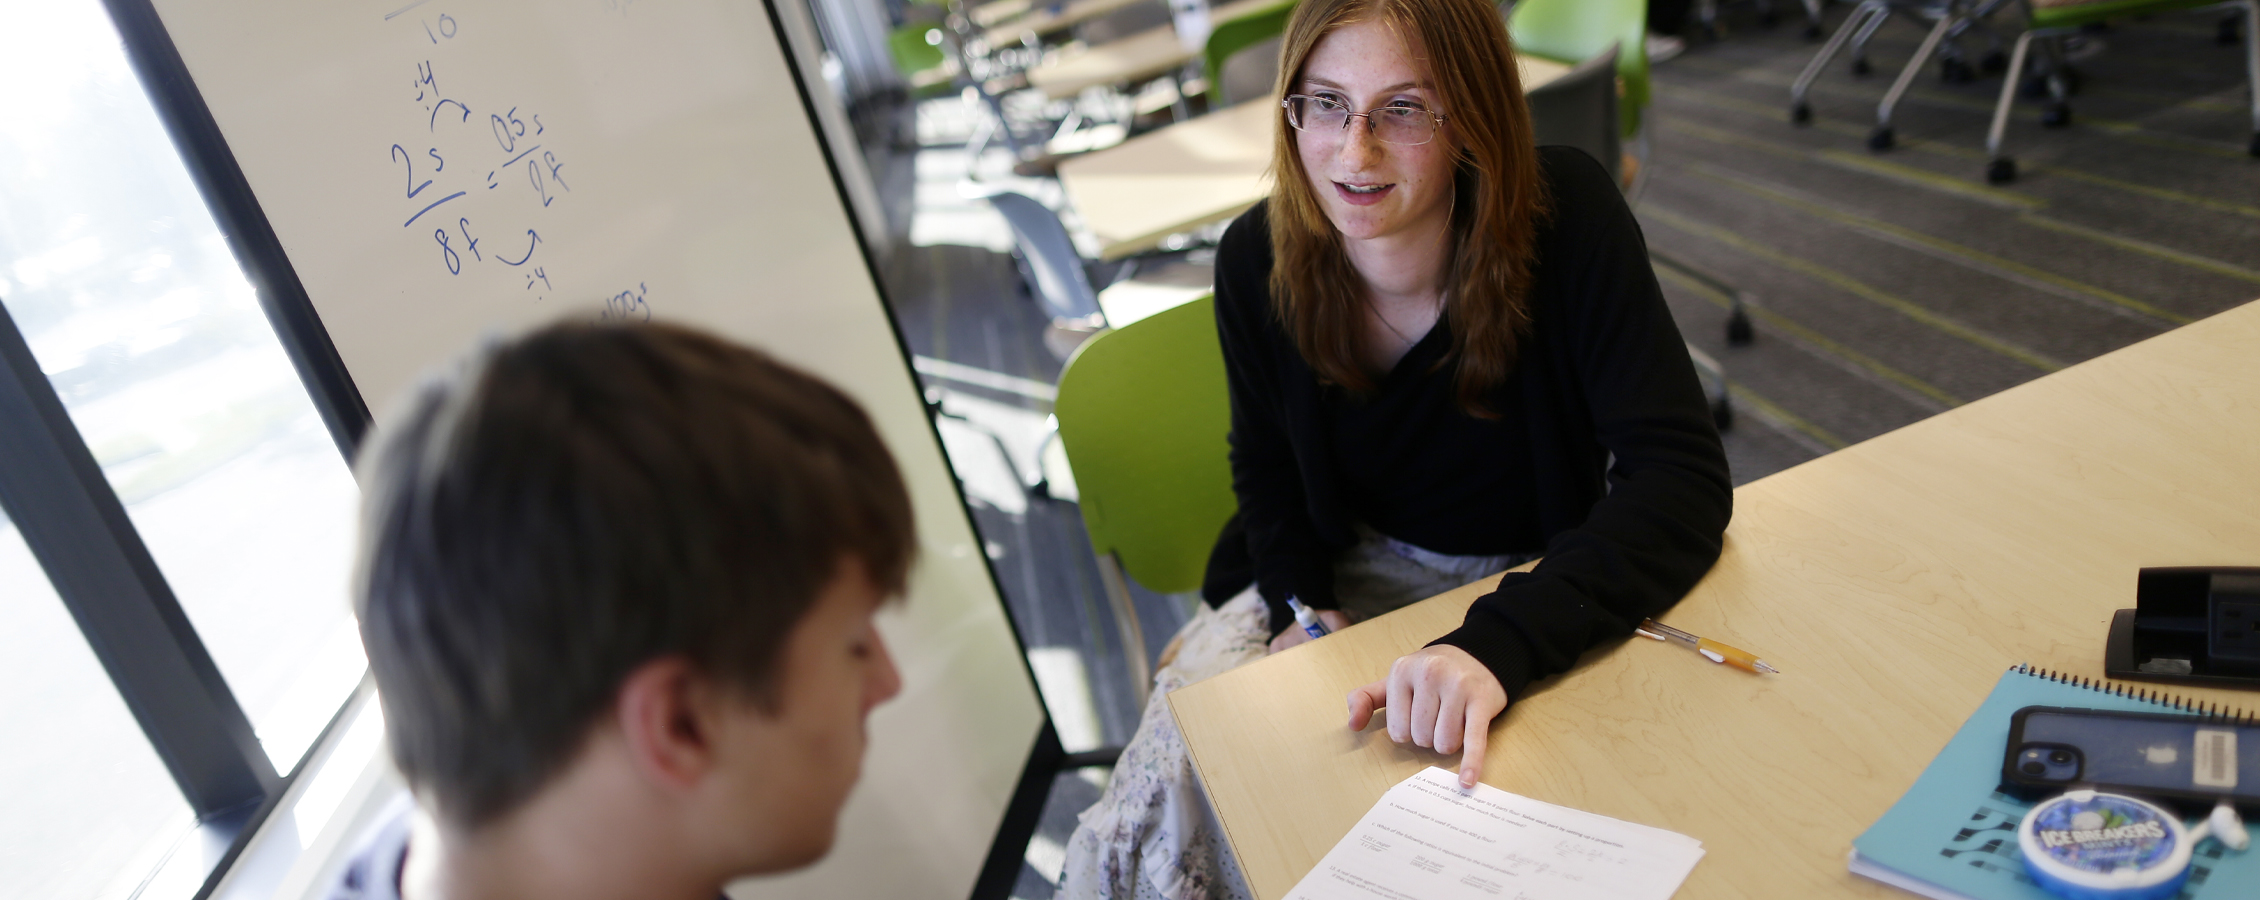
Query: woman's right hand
{"type": "Point", "coordinates": [1437, 697]}
{"type": "Point", "coordinates": [1334, 619]}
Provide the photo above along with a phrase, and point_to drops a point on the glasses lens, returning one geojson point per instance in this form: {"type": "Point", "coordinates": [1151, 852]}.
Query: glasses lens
{"type": "Point", "coordinates": [1403, 125]}
{"type": "Point", "coordinates": [1313, 113]}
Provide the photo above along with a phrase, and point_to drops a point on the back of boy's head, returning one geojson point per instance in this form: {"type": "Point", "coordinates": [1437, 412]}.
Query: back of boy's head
{"type": "Point", "coordinates": [566, 506]}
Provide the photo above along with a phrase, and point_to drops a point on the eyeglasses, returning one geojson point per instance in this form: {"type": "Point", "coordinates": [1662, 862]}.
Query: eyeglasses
{"type": "Point", "coordinates": [1407, 125]}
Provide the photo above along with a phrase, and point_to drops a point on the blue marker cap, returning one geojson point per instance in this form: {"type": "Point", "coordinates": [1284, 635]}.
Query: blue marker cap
{"type": "Point", "coordinates": [1309, 620]}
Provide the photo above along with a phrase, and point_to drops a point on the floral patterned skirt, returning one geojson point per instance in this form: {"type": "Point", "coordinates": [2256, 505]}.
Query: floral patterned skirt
{"type": "Point", "coordinates": [1153, 834]}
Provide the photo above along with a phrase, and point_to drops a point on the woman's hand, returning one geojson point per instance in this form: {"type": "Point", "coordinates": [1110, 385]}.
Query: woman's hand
{"type": "Point", "coordinates": [1439, 698]}
{"type": "Point", "coordinates": [1334, 619]}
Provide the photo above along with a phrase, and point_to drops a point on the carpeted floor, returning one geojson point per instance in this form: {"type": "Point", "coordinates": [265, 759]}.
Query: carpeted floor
{"type": "Point", "coordinates": [1892, 286]}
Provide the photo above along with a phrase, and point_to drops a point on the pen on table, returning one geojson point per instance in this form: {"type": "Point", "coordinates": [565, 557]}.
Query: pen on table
{"type": "Point", "coordinates": [1711, 650]}
{"type": "Point", "coordinates": [1309, 620]}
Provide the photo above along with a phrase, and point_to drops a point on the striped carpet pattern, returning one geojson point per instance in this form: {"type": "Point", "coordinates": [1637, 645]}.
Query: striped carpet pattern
{"type": "Point", "coordinates": [1892, 286]}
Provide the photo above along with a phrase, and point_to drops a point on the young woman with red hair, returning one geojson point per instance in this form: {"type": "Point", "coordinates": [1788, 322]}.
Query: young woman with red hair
{"type": "Point", "coordinates": [1447, 356]}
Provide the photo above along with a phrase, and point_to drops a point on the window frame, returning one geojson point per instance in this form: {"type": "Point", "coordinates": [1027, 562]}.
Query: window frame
{"type": "Point", "coordinates": [55, 493]}
{"type": "Point", "coordinates": [212, 167]}
{"type": "Point", "coordinates": [75, 526]}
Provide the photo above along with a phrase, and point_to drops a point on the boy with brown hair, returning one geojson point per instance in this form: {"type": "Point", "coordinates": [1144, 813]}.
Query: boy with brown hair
{"type": "Point", "coordinates": [617, 587]}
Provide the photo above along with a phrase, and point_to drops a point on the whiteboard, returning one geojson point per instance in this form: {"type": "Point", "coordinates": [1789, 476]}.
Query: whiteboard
{"type": "Point", "coordinates": [437, 171]}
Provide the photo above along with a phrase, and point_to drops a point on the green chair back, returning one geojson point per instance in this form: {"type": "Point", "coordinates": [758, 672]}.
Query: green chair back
{"type": "Point", "coordinates": [1238, 34]}
{"type": "Point", "coordinates": [1143, 415]}
{"type": "Point", "coordinates": [1572, 31]}
{"type": "Point", "coordinates": [2072, 13]}
{"type": "Point", "coordinates": [911, 51]}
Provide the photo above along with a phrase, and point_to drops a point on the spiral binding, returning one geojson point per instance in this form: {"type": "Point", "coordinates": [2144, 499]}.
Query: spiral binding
{"type": "Point", "coordinates": [2211, 712]}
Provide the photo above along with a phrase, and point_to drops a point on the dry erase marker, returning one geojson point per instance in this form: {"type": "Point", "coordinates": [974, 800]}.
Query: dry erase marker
{"type": "Point", "coordinates": [1309, 620]}
{"type": "Point", "coordinates": [1711, 650]}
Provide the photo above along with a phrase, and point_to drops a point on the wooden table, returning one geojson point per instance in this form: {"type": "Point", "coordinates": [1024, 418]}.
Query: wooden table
{"type": "Point", "coordinates": [1173, 179]}
{"type": "Point", "coordinates": [997, 12]}
{"type": "Point", "coordinates": [1192, 173]}
{"type": "Point", "coordinates": [1892, 582]}
{"type": "Point", "coordinates": [1147, 54]}
{"type": "Point", "coordinates": [1042, 22]}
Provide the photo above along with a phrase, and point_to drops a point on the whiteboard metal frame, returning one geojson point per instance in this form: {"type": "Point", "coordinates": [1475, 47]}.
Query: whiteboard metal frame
{"type": "Point", "coordinates": [196, 134]}
{"type": "Point", "coordinates": [219, 178]}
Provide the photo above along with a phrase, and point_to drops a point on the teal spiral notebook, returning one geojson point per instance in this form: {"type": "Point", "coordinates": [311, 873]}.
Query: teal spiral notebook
{"type": "Point", "coordinates": [1953, 836]}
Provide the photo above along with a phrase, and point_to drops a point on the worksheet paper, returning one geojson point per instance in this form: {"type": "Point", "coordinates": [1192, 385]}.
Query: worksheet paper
{"type": "Point", "coordinates": [1429, 839]}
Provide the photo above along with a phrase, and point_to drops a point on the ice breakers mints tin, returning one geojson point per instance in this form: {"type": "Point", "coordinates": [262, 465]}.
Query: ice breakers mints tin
{"type": "Point", "coordinates": [2093, 846]}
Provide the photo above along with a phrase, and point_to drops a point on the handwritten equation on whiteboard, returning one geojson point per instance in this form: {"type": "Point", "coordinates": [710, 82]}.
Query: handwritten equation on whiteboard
{"type": "Point", "coordinates": [479, 173]}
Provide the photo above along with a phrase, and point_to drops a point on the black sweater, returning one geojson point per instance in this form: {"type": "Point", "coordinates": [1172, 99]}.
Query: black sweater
{"type": "Point", "coordinates": [1603, 371]}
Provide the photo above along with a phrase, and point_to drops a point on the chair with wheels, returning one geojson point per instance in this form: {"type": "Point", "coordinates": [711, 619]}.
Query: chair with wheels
{"type": "Point", "coordinates": [975, 68]}
{"type": "Point", "coordinates": [1707, 17]}
{"type": "Point", "coordinates": [1580, 110]}
{"type": "Point", "coordinates": [1144, 417]}
{"type": "Point", "coordinates": [1241, 59]}
{"type": "Point", "coordinates": [1572, 31]}
{"type": "Point", "coordinates": [923, 61]}
{"type": "Point", "coordinates": [1058, 276]}
{"type": "Point", "coordinates": [1052, 268]}
{"type": "Point", "coordinates": [2049, 21]}
{"type": "Point", "coordinates": [1128, 20]}
{"type": "Point", "coordinates": [1950, 20]}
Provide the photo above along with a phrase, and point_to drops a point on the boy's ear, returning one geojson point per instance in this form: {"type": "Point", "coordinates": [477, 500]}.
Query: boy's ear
{"type": "Point", "coordinates": [664, 710]}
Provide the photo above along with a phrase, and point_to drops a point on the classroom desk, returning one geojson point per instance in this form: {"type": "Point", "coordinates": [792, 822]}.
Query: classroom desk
{"type": "Point", "coordinates": [1147, 54]}
{"type": "Point", "coordinates": [1183, 176]}
{"type": "Point", "coordinates": [1892, 582]}
{"type": "Point", "coordinates": [1043, 22]}
{"type": "Point", "coordinates": [997, 12]}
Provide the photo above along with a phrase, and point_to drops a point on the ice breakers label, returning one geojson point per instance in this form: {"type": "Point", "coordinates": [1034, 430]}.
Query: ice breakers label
{"type": "Point", "coordinates": [2120, 835]}
{"type": "Point", "coordinates": [2101, 833]}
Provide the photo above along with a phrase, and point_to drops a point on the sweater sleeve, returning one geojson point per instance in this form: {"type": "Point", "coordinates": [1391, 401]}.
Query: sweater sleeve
{"type": "Point", "coordinates": [1661, 525]}
{"type": "Point", "coordinates": [1275, 514]}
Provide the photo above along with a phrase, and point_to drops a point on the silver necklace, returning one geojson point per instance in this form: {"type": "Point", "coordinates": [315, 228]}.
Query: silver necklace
{"type": "Point", "coordinates": [1393, 329]}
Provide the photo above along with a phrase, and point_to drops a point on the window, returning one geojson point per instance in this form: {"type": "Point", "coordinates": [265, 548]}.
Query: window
{"type": "Point", "coordinates": [88, 801]}
{"type": "Point", "coordinates": [143, 322]}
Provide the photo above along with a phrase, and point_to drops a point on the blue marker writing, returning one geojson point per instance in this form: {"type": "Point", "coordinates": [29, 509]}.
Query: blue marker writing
{"type": "Point", "coordinates": [1309, 620]}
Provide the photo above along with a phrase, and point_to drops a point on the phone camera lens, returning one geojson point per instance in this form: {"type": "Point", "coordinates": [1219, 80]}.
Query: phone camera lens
{"type": "Point", "coordinates": [2034, 767]}
{"type": "Point", "coordinates": [2060, 757]}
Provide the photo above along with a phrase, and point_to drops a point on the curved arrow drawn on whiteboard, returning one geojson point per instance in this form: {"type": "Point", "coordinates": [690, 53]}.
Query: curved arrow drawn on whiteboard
{"type": "Point", "coordinates": [529, 249]}
{"type": "Point", "coordinates": [433, 125]}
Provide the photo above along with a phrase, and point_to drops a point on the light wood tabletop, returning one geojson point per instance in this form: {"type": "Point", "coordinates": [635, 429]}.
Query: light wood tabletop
{"type": "Point", "coordinates": [997, 12]}
{"type": "Point", "coordinates": [1173, 179]}
{"type": "Point", "coordinates": [1892, 582]}
{"type": "Point", "coordinates": [1147, 54]}
{"type": "Point", "coordinates": [1040, 21]}
{"type": "Point", "coordinates": [1183, 176]}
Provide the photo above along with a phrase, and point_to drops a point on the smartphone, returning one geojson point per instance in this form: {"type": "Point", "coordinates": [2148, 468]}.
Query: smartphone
{"type": "Point", "coordinates": [2189, 761]}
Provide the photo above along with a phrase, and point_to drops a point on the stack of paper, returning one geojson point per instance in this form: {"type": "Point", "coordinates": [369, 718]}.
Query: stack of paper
{"type": "Point", "coordinates": [1430, 839]}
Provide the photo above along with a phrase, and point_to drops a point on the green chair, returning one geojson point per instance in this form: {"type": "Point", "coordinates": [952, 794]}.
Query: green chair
{"type": "Point", "coordinates": [1580, 109]}
{"type": "Point", "coordinates": [2050, 20]}
{"type": "Point", "coordinates": [1239, 34]}
{"type": "Point", "coordinates": [920, 57]}
{"type": "Point", "coordinates": [1572, 31]}
{"type": "Point", "coordinates": [1143, 416]}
